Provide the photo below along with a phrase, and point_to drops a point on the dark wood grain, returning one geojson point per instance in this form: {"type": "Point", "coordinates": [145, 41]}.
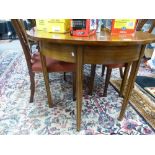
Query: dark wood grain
{"type": "Point", "coordinates": [79, 83]}
{"type": "Point", "coordinates": [92, 76]}
{"type": "Point", "coordinates": [124, 79]}
{"type": "Point", "coordinates": [108, 75]}
{"type": "Point", "coordinates": [46, 79]}
{"type": "Point", "coordinates": [132, 77]}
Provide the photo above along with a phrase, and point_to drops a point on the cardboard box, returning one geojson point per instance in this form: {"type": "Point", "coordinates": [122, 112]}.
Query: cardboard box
{"type": "Point", "coordinates": [53, 25]}
{"type": "Point", "coordinates": [83, 27]}
{"type": "Point", "coordinates": [123, 26]}
{"type": "Point", "coordinates": [59, 20]}
{"type": "Point", "coordinates": [41, 24]}
{"type": "Point", "coordinates": [58, 27]}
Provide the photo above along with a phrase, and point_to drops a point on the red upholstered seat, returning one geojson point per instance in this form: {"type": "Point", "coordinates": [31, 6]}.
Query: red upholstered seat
{"type": "Point", "coordinates": [52, 65]}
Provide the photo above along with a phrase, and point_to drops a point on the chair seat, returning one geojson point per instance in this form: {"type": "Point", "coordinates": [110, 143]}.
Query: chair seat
{"type": "Point", "coordinates": [52, 65]}
{"type": "Point", "coordinates": [115, 65]}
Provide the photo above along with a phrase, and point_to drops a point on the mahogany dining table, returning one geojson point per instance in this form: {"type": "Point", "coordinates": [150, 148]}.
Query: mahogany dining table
{"type": "Point", "coordinates": [100, 48]}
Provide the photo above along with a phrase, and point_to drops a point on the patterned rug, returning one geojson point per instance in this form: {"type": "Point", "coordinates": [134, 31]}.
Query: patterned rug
{"type": "Point", "coordinates": [99, 114]}
{"type": "Point", "coordinates": [140, 100]}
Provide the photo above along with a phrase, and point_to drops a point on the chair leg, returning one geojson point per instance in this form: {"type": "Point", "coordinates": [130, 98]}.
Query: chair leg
{"type": "Point", "coordinates": [32, 86]}
{"type": "Point", "coordinates": [74, 85]}
{"type": "Point", "coordinates": [92, 76]}
{"type": "Point", "coordinates": [103, 69]}
{"type": "Point", "coordinates": [109, 70]}
{"type": "Point", "coordinates": [121, 72]}
{"type": "Point", "coordinates": [46, 79]}
{"type": "Point", "coordinates": [64, 76]}
{"type": "Point", "coordinates": [127, 67]}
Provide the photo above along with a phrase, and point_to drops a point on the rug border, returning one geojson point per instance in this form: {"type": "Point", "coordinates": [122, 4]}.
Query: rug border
{"type": "Point", "coordinates": [144, 116]}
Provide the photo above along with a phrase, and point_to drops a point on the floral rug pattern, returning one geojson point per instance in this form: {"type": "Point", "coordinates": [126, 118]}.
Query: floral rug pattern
{"type": "Point", "coordinates": [141, 101]}
{"type": "Point", "coordinates": [99, 114]}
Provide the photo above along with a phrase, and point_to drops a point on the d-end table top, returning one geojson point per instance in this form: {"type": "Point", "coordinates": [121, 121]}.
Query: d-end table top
{"type": "Point", "coordinates": [103, 38]}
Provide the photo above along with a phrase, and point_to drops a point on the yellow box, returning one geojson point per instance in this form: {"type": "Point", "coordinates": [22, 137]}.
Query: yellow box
{"type": "Point", "coordinates": [58, 27]}
{"type": "Point", "coordinates": [41, 24]}
{"type": "Point", "coordinates": [59, 20]}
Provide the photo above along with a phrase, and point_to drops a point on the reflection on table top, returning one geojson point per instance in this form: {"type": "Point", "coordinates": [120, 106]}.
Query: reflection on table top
{"type": "Point", "coordinates": [102, 38]}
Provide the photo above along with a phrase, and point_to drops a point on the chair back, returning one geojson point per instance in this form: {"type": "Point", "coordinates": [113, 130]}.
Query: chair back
{"type": "Point", "coordinates": [21, 32]}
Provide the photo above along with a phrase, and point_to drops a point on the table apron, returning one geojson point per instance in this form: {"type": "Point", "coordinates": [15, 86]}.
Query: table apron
{"type": "Point", "coordinates": [92, 54]}
{"type": "Point", "coordinates": [110, 55]}
{"type": "Point", "coordinates": [60, 52]}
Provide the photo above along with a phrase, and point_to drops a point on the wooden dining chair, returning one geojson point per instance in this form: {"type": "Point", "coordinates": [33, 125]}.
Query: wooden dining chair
{"type": "Point", "coordinates": [108, 75]}
{"type": "Point", "coordinates": [34, 62]}
{"type": "Point", "coordinates": [123, 74]}
{"type": "Point", "coordinates": [34, 42]}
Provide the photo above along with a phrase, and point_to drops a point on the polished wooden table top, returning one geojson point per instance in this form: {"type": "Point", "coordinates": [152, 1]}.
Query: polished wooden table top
{"type": "Point", "coordinates": [102, 38]}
